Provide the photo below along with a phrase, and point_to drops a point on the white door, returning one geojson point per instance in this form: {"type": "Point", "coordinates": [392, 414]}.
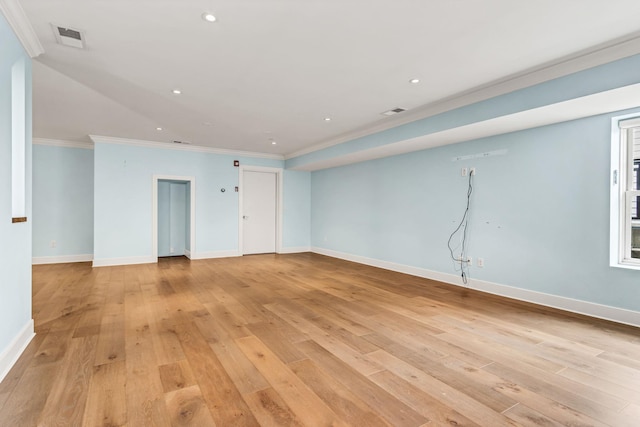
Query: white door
{"type": "Point", "coordinates": [258, 212]}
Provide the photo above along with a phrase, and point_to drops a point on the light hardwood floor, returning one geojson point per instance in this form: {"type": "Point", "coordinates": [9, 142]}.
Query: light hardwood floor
{"type": "Point", "coordinates": [306, 340]}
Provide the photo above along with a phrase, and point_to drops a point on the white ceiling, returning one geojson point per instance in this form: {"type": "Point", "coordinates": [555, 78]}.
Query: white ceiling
{"type": "Point", "coordinates": [274, 69]}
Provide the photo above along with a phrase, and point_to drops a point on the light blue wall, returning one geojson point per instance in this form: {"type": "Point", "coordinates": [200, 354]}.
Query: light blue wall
{"type": "Point", "coordinates": [123, 202]}
{"type": "Point", "coordinates": [540, 213]}
{"type": "Point", "coordinates": [178, 212]}
{"type": "Point", "coordinates": [62, 201]}
{"type": "Point", "coordinates": [297, 209]}
{"type": "Point", "coordinates": [15, 250]}
{"type": "Point", "coordinates": [164, 218]}
{"type": "Point", "coordinates": [187, 243]}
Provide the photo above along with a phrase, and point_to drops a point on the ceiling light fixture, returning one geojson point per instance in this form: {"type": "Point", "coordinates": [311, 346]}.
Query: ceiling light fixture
{"type": "Point", "coordinates": [208, 17]}
{"type": "Point", "coordinates": [327, 119]}
{"type": "Point", "coordinates": [176, 91]}
{"type": "Point", "coordinates": [273, 142]}
{"type": "Point", "coordinates": [158, 128]}
{"type": "Point", "coordinates": [414, 81]}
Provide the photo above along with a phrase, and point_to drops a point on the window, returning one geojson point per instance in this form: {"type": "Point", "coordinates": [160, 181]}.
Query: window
{"type": "Point", "coordinates": [625, 194]}
{"type": "Point", "coordinates": [635, 203]}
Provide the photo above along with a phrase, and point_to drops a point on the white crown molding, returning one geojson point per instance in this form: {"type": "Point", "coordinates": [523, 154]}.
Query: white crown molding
{"type": "Point", "coordinates": [21, 26]}
{"type": "Point", "coordinates": [597, 55]}
{"type": "Point", "coordinates": [181, 147]}
{"type": "Point", "coordinates": [63, 143]}
{"type": "Point", "coordinates": [614, 314]}
{"type": "Point", "coordinates": [599, 103]}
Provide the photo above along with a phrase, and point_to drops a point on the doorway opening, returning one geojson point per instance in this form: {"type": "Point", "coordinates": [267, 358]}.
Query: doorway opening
{"type": "Point", "coordinates": [173, 216]}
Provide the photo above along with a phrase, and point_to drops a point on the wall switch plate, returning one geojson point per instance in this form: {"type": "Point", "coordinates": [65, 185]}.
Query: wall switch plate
{"type": "Point", "coordinates": [463, 172]}
{"type": "Point", "coordinates": [480, 262]}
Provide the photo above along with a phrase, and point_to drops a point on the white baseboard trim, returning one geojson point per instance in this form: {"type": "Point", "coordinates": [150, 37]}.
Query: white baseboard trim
{"type": "Point", "coordinates": [295, 250]}
{"type": "Point", "coordinates": [619, 315]}
{"type": "Point", "coordinates": [107, 262]}
{"type": "Point", "coordinates": [10, 355]}
{"type": "Point", "coordinates": [61, 259]}
{"type": "Point", "coordinates": [187, 253]}
{"type": "Point", "coordinates": [215, 254]}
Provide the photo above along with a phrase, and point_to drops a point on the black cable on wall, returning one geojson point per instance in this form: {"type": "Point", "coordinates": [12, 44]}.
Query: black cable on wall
{"type": "Point", "coordinates": [463, 226]}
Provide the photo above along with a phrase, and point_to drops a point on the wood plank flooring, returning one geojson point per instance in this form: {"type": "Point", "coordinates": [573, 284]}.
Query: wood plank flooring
{"type": "Point", "coordinates": [306, 340]}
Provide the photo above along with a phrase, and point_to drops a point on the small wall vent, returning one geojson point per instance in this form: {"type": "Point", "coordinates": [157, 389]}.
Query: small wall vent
{"type": "Point", "coordinates": [394, 111]}
{"type": "Point", "coordinates": [68, 36]}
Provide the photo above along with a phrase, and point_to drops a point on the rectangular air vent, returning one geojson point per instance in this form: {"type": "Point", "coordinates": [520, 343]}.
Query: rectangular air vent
{"type": "Point", "coordinates": [68, 36]}
{"type": "Point", "coordinates": [394, 111]}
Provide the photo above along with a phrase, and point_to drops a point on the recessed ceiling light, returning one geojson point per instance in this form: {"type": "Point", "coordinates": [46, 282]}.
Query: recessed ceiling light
{"type": "Point", "coordinates": [177, 91]}
{"type": "Point", "coordinates": [414, 81]}
{"type": "Point", "coordinates": [327, 119]}
{"type": "Point", "coordinates": [273, 143]}
{"type": "Point", "coordinates": [158, 128]}
{"type": "Point", "coordinates": [208, 17]}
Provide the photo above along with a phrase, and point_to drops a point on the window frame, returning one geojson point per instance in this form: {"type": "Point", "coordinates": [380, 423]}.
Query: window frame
{"type": "Point", "coordinates": [623, 191]}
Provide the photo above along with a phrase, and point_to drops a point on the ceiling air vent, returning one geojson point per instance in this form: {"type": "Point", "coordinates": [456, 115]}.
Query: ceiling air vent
{"type": "Point", "coordinates": [181, 142]}
{"type": "Point", "coordinates": [394, 111]}
{"type": "Point", "coordinates": [69, 36]}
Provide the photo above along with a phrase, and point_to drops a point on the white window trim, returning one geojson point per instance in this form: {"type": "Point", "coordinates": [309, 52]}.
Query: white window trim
{"type": "Point", "coordinates": [619, 250]}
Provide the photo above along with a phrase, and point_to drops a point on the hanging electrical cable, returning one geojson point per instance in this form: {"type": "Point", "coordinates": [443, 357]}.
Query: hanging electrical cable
{"type": "Point", "coordinates": [463, 227]}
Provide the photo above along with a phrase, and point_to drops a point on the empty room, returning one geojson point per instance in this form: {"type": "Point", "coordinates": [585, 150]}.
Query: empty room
{"type": "Point", "coordinates": [319, 213]}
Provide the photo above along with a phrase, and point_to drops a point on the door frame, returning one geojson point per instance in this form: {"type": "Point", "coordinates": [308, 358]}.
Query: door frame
{"type": "Point", "coordinates": [191, 252]}
{"type": "Point", "coordinates": [279, 185]}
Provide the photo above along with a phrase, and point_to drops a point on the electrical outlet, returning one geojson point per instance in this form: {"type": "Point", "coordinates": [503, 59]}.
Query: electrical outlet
{"type": "Point", "coordinates": [463, 172]}
{"type": "Point", "coordinates": [472, 171]}
{"type": "Point", "coordinates": [53, 244]}
{"type": "Point", "coordinates": [480, 262]}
